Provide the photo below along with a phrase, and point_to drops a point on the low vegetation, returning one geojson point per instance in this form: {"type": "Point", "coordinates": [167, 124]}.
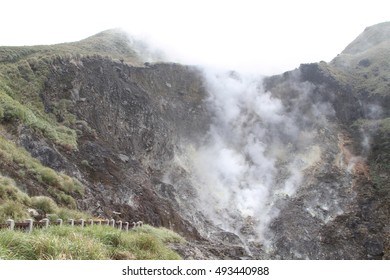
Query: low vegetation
{"type": "Point", "coordinates": [13, 111]}
{"type": "Point", "coordinates": [66, 243]}
{"type": "Point", "coordinates": [366, 71]}
{"type": "Point", "coordinates": [89, 243]}
{"type": "Point", "coordinates": [14, 204]}
{"type": "Point", "coordinates": [22, 77]}
{"type": "Point", "coordinates": [61, 187]}
{"type": "Point", "coordinates": [110, 43]}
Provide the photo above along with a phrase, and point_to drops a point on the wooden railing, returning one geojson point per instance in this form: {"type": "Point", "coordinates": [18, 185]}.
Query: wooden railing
{"type": "Point", "coordinates": [29, 224]}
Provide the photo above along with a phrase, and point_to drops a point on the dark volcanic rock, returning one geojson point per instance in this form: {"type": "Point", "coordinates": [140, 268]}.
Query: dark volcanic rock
{"type": "Point", "coordinates": [132, 119]}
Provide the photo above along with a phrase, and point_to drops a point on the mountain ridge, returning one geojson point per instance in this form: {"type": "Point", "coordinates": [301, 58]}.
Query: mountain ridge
{"type": "Point", "coordinates": [127, 131]}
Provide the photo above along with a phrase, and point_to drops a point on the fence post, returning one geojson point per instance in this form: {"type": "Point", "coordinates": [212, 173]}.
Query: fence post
{"type": "Point", "coordinates": [59, 222]}
{"type": "Point", "coordinates": [30, 225]}
{"type": "Point", "coordinates": [71, 222]}
{"type": "Point", "coordinates": [82, 222]}
{"type": "Point", "coordinates": [46, 220]}
{"type": "Point", "coordinates": [127, 226]}
{"type": "Point", "coordinates": [11, 224]}
{"type": "Point", "coordinates": [113, 222]}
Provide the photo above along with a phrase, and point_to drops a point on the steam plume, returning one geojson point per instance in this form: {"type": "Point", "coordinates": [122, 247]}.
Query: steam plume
{"type": "Point", "coordinates": [253, 155]}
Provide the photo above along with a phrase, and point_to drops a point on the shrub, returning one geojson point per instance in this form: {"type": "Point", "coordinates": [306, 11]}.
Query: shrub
{"type": "Point", "coordinates": [9, 191]}
{"type": "Point", "coordinates": [71, 185]}
{"type": "Point", "coordinates": [146, 246]}
{"type": "Point", "coordinates": [13, 210]}
{"type": "Point", "coordinates": [49, 176]}
{"type": "Point", "coordinates": [62, 198]}
{"type": "Point", "coordinates": [164, 234]}
{"type": "Point", "coordinates": [44, 203]}
{"type": "Point", "coordinates": [66, 214]}
{"type": "Point", "coordinates": [85, 163]}
{"type": "Point", "coordinates": [66, 200]}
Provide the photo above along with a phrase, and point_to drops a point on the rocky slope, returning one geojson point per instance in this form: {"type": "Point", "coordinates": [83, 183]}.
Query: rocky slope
{"type": "Point", "coordinates": [141, 137]}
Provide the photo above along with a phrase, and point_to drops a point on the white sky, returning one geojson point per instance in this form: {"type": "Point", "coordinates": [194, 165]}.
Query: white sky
{"type": "Point", "coordinates": [267, 36]}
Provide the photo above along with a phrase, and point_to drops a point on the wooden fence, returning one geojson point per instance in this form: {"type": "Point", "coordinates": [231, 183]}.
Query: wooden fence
{"type": "Point", "coordinates": [28, 225]}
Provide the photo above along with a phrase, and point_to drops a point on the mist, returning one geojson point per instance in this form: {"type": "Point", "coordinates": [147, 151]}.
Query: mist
{"type": "Point", "coordinates": [255, 153]}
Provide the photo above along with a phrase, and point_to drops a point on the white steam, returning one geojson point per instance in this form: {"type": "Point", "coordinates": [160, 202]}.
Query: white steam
{"type": "Point", "coordinates": [252, 157]}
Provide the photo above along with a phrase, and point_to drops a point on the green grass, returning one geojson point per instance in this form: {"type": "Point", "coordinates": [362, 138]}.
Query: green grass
{"type": "Point", "coordinates": [109, 43]}
{"type": "Point", "coordinates": [66, 214]}
{"type": "Point", "coordinates": [89, 243]}
{"type": "Point", "coordinates": [44, 203]}
{"type": "Point", "coordinates": [12, 110]}
{"type": "Point", "coordinates": [9, 191]}
{"type": "Point", "coordinates": [163, 234]}
{"type": "Point", "coordinates": [60, 183]}
{"type": "Point", "coordinates": [50, 244]}
{"type": "Point", "coordinates": [21, 85]}
{"type": "Point", "coordinates": [367, 72]}
{"type": "Point", "coordinates": [13, 210]}
{"type": "Point", "coordinates": [14, 204]}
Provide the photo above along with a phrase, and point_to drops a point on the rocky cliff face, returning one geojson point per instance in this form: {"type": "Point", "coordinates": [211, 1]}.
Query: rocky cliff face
{"type": "Point", "coordinates": [130, 121]}
{"type": "Point", "coordinates": [337, 212]}
{"type": "Point", "coordinates": [296, 164]}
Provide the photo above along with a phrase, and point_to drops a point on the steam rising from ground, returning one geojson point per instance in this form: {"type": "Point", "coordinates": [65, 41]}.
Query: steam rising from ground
{"type": "Point", "coordinates": [246, 164]}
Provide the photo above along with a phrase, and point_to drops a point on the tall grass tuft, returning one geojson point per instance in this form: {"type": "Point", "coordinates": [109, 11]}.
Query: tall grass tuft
{"type": "Point", "coordinates": [13, 210]}
{"type": "Point", "coordinates": [44, 203]}
{"type": "Point", "coordinates": [9, 191]}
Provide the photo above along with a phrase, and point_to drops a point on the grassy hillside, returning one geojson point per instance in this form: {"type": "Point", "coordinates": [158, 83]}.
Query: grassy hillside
{"type": "Point", "coordinates": [89, 243]}
{"type": "Point", "coordinates": [63, 188]}
{"type": "Point", "coordinates": [14, 204]}
{"type": "Point", "coordinates": [366, 61]}
{"type": "Point", "coordinates": [112, 43]}
{"type": "Point", "coordinates": [23, 71]}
